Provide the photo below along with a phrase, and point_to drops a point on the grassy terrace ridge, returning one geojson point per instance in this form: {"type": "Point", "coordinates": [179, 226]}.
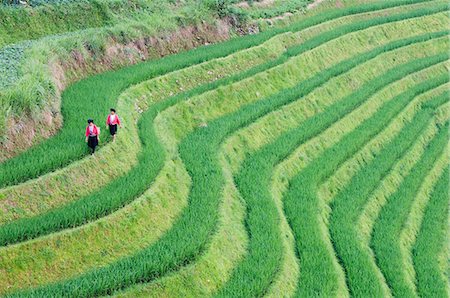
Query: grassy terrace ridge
{"type": "Point", "coordinates": [261, 216]}
{"type": "Point", "coordinates": [79, 212]}
{"type": "Point", "coordinates": [412, 225]}
{"type": "Point", "coordinates": [274, 9]}
{"type": "Point", "coordinates": [342, 241]}
{"type": "Point", "coordinates": [19, 168]}
{"type": "Point", "coordinates": [54, 189]}
{"type": "Point", "coordinates": [400, 203]}
{"type": "Point", "coordinates": [303, 191]}
{"type": "Point", "coordinates": [270, 151]}
{"type": "Point", "coordinates": [429, 251]}
{"type": "Point", "coordinates": [196, 275]}
{"type": "Point", "coordinates": [391, 182]}
{"type": "Point", "coordinates": [341, 177]}
{"type": "Point", "coordinates": [409, 233]}
{"type": "Point", "coordinates": [388, 184]}
{"type": "Point", "coordinates": [311, 149]}
{"type": "Point", "coordinates": [400, 284]}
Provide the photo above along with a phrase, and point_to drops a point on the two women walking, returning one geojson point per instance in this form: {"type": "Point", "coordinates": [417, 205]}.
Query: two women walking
{"type": "Point", "coordinates": [93, 131]}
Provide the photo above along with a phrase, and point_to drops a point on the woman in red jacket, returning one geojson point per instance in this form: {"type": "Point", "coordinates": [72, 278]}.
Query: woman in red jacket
{"type": "Point", "coordinates": [112, 121]}
{"type": "Point", "coordinates": [92, 135]}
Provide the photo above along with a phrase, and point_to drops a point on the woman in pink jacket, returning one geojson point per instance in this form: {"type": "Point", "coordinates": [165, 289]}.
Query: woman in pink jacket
{"type": "Point", "coordinates": [112, 121]}
{"type": "Point", "coordinates": [92, 135]}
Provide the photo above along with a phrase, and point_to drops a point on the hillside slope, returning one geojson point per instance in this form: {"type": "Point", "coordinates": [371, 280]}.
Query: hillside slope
{"type": "Point", "coordinates": [308, 160]}
{"type": "Point", "coordinates": [46, 47]}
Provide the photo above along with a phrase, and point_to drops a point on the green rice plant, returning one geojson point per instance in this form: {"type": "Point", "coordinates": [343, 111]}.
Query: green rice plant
{"type": "Point", "coordinates": [256, 173]}
{"type": "Point", "coordinates": [221, 126]}
{"type": "Point", "coordinates": [113, 196]}
{"type": "Point", "coordinates": [361, 274]}
{"type": "Point", "coordinates": [389, 183]}
{"type": "Point", "coordinates": [430, 251]}
{"type": "Point", "coordinates": [211, 269]}
{"type": "Point", "coordinates": [146, 84]}
{"type": "Point", "coordinates": [343, 175]}
{"type": "Point", "coordinates": [392, 181]}
{"type": "Point", "coordinates": [387, 229]}
{"type": "Point", "coordinates": [156, 105]}
{"type": "Point", "coordinates": [181, 245]}
{"type": "Point", "coordinates": [409, 233]}
{"type": "Point", "coordinates": [67, 184]}
{"type": "Point", "coordinates": [312, 147]}
{"type": "Point", "coordinates": [91, 97]}
{"type": "Point", "coordinates": [309, 246]}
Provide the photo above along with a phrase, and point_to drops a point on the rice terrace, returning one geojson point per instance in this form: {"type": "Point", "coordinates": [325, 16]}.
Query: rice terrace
{"type": "Point", "coordinates": [224, 148]}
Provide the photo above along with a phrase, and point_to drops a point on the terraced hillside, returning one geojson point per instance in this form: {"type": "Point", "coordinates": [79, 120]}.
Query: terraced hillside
{"type": "Point", "coordinates": [307, 160]}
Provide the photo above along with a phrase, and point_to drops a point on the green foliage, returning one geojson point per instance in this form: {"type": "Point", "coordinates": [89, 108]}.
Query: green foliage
{"type": "Point", "coordinates": [91, 98]}
{"type": "Point", "coordinates": [277, 9]}
{"type": "Point", "coordinates": [9, 63]}
{"type": "Point", "coordinates": [181, 245]}
{"type": "Point", "coordinates": [18, 24]}
{"type": "Point", "coordinates": [387, 228]}
{"type": "Point", "coordinates": [70, 216]}
{"type": "Point", "coordinates": [253, 183]}
{"type": "Point", "coordinates": [432, 241]}
{"type": "Point", "coordinates": [361, 274]}
{"type": "Point", "coordinates": [191, 233]}
{"type": "Point", "coordinates": [302, 195]}
{"type": "Point", "coordinates": [77, 100]}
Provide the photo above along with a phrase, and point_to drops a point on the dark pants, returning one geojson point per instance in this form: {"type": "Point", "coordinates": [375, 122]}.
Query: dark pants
{"type": "Point", "coordinates": [92, 143]}
{"type": "Point", "coordinates": [113, 129]}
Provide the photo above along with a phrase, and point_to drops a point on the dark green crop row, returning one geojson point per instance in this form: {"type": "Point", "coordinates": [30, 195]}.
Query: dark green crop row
{"type": "Point", "coordinates": [361, 272]}
{"type": "Point", "coordinates": [93, 96]}
{"type": "Point", "coordinates": [114, 196]}
{"type": "Point", "coordinates": [432, 243]}
{"type": "Point", "coordinates": [254, 179]}
{"type": "Point", "coordinates": [392, 218]}
{"type": "Point", "coordinates": [302, 206]}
